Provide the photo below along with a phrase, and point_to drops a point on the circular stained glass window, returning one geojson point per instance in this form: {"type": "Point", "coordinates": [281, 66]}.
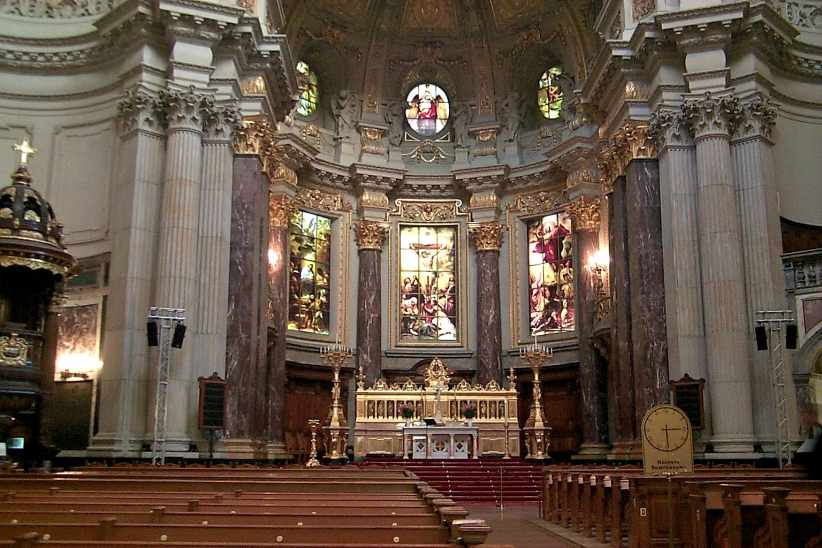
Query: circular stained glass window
{"type": "Point", "coordinates": [309, 90]}
{"type": "Point", "coordinates": [427, 109]}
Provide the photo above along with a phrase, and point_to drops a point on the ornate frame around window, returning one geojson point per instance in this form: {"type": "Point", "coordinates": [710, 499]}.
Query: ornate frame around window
{"type": "Point", "coordinates": [334, 206]}
{"type": "Point", "coordinates": [428, 213]}
{"type": "Point", "coordinates": [521, 209]}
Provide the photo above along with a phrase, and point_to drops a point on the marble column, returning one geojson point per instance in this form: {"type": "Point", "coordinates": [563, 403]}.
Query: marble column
{"type": "Point", "coordinates": [135, 220]}
{"type": "Point", "coordinates": [723, 276]}
{"type": "Point", "coordinates": [213, 242]}
{"type": "Point", "coordinates": [647, 290]}
{"type": "Point", "coordinates": [47, 368]}
{"type": "Point", "coordinates": [680, 237]}
{"type": "Point", "coordinates": [758, 205]}
{"type": "Point", "coordinates": [620, 368]}
{"type": "Point", "coordinates": [246, 398]}
{"type": "Point", "coordinates": [487, 238]}
{"type": "Point", "coordinates": [586, 215]}
{"type": "Point", "coordinates": [177, 266]}
{"type": "Point", "coordinates": [370, 236]}
{"type": "Point", "coordinates": [279, 213]}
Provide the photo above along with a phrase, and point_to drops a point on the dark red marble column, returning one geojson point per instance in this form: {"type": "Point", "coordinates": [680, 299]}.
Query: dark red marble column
{"type": "Point", "coordinates": [586, 214]}
{"type": "Point", "coordinates": [621, 409]}
{"type": "Point", "coordinates": [487, 238]}
{"type": "Point", "coordinates": [370, 237]}
{"type": "Point", "coordinates": [47, 367]}
{"type": "Point", "coordinates": [245, 411]}
{"type": "Point", "coordinates": [647, 289]}
{"type": "Point", "coordinates": [277, 258]}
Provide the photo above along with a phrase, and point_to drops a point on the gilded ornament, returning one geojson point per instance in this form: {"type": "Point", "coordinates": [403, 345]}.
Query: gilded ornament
{"type": "Point", "coordinates": [483, 200]}
{"type": "Point", "coordinates": [486, 236]}
{"type": "Point", "coordinates": [374, 199]}
{"type": "Point", "coordinates": [427, 152]}
{"type": "Point", "coordinates": [254, 86]}
{"type": "Point", "coordinates": [585, 212]}
{"type": "Point", "coordinates": [428, 211]}
{"type": "Point", "coordinates": [331, 202]}
{"type": "Point", "coordinates": [283, 173]}
{"type": "Point", "coordinates": [13, 351]}
{"type": "Point", "coordinates": [279, 211]}
{"type": "Point", "coordinates": [538, 202]}
{"type": "Point", "coordinates": [370, 235]}
{"type": "Point", "coordinates": [437, 375]}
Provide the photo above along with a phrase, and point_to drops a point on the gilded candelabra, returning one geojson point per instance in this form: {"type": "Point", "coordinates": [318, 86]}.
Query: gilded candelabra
{"type": "Point", "coordinates": [537, 432]}
{"type": "Point", "coordinates": [337, 428]}
{"type": "Point", "coordinates": [512, 385]}
{"type": "Point", "coordinates": [312, 458]}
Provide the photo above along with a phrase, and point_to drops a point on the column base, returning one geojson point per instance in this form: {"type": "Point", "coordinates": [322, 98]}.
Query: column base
{"type": "Point", "coordinates": [114, 445]}
{"type": "Point", "coordinates": [723, 444]}
{"type": "Point", "coordinates": [592, 451]}
{"type": "Point", "coordinates": [626, 450]}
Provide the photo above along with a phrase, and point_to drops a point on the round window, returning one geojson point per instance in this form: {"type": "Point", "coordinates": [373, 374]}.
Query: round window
{"type": "Point", "coordinates": [427, 109]}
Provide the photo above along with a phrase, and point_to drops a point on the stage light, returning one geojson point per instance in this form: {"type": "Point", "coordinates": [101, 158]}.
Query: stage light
{"type": "Point", "coordinates": [761, 338]}
{"type": "Point", "coordinates": [179, 335]}
{"type": "Point", "coordinates": [791, 334]}
{"type": "Point", "coordinates": [151, 334]}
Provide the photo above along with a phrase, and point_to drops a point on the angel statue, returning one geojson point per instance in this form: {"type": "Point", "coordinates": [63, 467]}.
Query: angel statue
{"type": "Point", "coordinates": [394, 117]}
{"type": "Point", "coordinates": [510, 116]}
{"type": "Point", "coordinates": [343, 109]}
{"type": "Point", "coordinates": [462, 119]}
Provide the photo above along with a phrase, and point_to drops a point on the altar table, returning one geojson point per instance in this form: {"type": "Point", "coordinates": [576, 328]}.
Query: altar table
{"type": "Point", "coordinates": [440, 442]}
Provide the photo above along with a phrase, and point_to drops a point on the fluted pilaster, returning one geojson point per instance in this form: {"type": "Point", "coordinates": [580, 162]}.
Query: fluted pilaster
{"type": "Point", "coordinates": [370, 238]}
{"type": "Point", "coordinates": [487, 238]}
{"type": "Point", "coordinates": [680, 232]}
{"type": "Point", "coordinates": [723, 277]}
{"type": "Point", "coordinates": [177, 276]}
{"type": "Point", "coordinates": [213, 242]}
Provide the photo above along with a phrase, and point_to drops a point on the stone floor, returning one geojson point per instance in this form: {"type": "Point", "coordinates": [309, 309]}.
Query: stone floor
{"type": "Point", "coordinates": [520, 526]}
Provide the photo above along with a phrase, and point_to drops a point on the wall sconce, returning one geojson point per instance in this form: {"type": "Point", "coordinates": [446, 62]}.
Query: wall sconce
{"type": "Point", "coordinates": [598, 263]}
{"type": "Point", "coordinates": [77, 366]}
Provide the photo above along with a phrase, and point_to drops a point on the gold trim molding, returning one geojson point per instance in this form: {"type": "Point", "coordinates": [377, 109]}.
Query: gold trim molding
{"type": "Point", "coordinates": [370, 235]}
{"type": "Point", "coordinates": [541, 201]}
{"type": "Point", "coordinates": [279, 211]}
{"type": "Point", "coordinates": [486, 236]}
{"type": "Point", "coordinates": [428, 211]}
{"type": "Point", "coordinates": [311, 198]}
{"type": "Point", "coordinates": [585, 212]}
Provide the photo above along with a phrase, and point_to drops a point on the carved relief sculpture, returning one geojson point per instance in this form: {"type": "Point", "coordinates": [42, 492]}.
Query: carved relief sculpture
{"type": "Point", "coordinates": [370, 234]}
{"type": "Point", "coordinates": [487, 236]}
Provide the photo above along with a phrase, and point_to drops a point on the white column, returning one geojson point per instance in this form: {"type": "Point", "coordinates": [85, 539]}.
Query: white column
{"type": "Point", "coordinates": [723, 275]}
{"type": "Point", "coordinates": [752, 152]}
{"type": "Point", "coordinates": [213, 240]}
{"type": "Point", "coordinates": [177, 276]}
{"type": "Point", "coordinates": [680, 233]}
{"type": "Point", "coordinates": [134, 222]}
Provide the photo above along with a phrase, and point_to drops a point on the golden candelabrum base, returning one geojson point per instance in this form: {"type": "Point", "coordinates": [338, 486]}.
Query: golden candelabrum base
{"type": "Point", "coordinates": [537, 432]}
{"type": "Point", "coordinates": [312, 457]}
{"type": "Point", "coordinates": [337, 428]}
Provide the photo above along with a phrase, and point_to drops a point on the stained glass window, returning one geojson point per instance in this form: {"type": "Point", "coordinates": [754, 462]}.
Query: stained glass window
{"type": "Point", "coordinates": [550, 275]}
{"type": "Point", "coordinates": [428, 283]}
{"type": "Point", "coordinates": [310, 265]}
{"type": "Point", "coordinates": [427, 109]}
{"type": "Point", "coordinates": [309, 90]}
{"type": "Point", "coordinates": [549, 94]}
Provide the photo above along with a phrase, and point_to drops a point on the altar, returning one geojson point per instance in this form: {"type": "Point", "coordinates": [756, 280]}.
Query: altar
{"type": "Point", "coordinates": [389, 418]}
{"type": "Point", "coordinates": [440, 442]}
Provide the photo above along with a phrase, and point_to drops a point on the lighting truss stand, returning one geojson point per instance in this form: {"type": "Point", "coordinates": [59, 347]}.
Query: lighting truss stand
{"type": "Point", "coordinates": [774, 322]}
{"type": "Point", "coordinates": [168, 319]}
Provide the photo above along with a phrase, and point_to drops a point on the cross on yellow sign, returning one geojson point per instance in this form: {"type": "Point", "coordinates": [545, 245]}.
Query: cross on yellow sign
{"type": "Point", "coordinates": [25, 150]}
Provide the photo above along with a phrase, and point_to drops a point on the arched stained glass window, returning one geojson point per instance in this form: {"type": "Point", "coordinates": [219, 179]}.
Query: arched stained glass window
{"type": "Point", "coordinates": [549, 94]}
{"type": "Point", "coordinates": [550, 274]}
{"type": "Point", "coordinates": [309, 90]}
{"type": "Point", "coordinates": [427, 109]}
{"type": "Point", "coordinates": [309, 239]}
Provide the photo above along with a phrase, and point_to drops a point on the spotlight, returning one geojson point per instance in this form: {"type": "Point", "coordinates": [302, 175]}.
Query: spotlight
{"type": "Point", "coordinates": [791, 334]}
{"type": "Point", "coordinates": [761, 338]}
{"type": "Point", "coordinates": [151, 334]}
{"type": "Point", "coordinates": [179, 335]}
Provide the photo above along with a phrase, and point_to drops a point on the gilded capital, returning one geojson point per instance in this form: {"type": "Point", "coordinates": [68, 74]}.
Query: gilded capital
{"type": "Point", "coordinates": [486, 236]}
{"type": "Point", "coordinates": [279, 211]}
{"type": "Point", "coordinates": [370, 234]}
{"type": "Point", "coordinates": [585, 212]}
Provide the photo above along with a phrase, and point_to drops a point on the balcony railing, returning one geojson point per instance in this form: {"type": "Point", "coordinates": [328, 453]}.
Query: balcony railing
{"type": "Point", "coordinates": [803, 269]}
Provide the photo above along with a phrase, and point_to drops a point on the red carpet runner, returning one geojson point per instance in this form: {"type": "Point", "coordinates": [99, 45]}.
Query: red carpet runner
{"type": "Point", "coordinates": [475, 480]}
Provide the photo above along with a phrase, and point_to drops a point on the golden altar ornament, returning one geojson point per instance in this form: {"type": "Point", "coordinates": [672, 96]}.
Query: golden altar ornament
{"type": "Point", "coordinates": [537, 432]}
{"type": "Point", "coordinates": [337, 428]}
{"type": "Point", "coordinates": [380, 421]}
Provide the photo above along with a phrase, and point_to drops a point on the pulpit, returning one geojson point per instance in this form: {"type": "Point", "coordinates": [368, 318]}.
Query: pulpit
{"type": "Point", "coordinates": [381, 428]}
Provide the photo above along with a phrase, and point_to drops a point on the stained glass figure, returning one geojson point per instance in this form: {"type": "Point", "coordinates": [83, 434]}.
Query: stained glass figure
{"type": "Point", "coordinates": [427, 109]}
{"type": "Point", "coordinates": [550, 275]}
{"type": "Point", "coordinates": [428, 284]}
{"type": "Point", "coordinates": [549, 94]}
{"type": "Point", "coordinates": [309, 90]}
{"type": "Point", "coordinates": [309, 241]}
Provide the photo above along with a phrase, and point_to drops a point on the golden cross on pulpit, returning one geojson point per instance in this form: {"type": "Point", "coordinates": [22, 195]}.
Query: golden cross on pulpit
{"type": "Point", "coordinates": [25, 149]}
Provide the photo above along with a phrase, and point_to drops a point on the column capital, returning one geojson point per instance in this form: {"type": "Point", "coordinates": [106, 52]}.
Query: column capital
{"type": "Point", "coordinates": [668, 128]}
{"type": "Point", "coordinates": [185, 109]}
{"type": "Point", "coordinates": [757, 118]}
{"type": "Point", "coordinates": [139, 110]}
{"type": "Point", "coordinates": [370, 235]}
{"type": "Point", "coordinates": [711, 115]}
{"type": "Point", "coordinates": [221, 122]}
{"type": "Point", "coordinates": [586, 213]}
{"type": "Point", "coordinates": [486, 236]}
{"type": "Point", "coordinates": [279, 211]}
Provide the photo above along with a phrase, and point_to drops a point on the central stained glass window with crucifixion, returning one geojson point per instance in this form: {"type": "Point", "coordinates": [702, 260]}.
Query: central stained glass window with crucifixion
{"type": "Point", "coordinates": [428, 284]}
